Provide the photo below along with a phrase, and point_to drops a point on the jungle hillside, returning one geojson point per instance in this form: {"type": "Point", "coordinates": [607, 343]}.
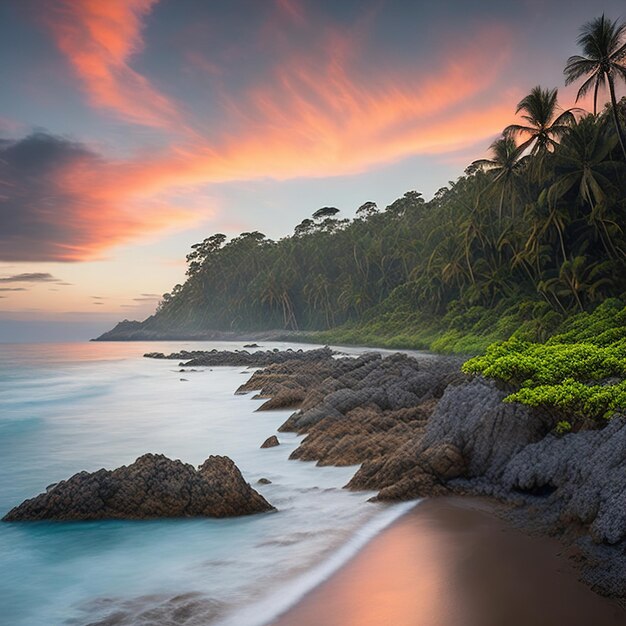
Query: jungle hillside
{"type": "Point", "coordinates": [521, 242]}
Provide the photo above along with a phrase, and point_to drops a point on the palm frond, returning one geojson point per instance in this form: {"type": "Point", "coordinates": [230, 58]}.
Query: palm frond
{"type": "Point", "coordinates": [516, 129]}
{"type": "Point", "coordinates": [577, 66]}
{"type": "Point", "coordinates": [592, 81]}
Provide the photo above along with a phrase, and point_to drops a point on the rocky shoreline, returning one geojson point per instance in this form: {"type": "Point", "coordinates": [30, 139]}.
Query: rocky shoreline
{"type": "Point", "coordinates": [417, 427]}
{"type": "Point", "coordinates": [421, 428]}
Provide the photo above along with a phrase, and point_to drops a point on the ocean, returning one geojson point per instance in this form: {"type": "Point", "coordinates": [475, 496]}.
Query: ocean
{"type": "Point", "coordinates": [82, 406]}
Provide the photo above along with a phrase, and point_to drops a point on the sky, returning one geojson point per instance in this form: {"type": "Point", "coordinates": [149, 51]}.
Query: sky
{"type": "Point", "coordinates": [132, 129]}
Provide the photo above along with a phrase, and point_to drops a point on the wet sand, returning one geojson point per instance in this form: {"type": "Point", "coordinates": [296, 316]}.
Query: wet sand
{"type": "Point", "coordinates": [448, 563]}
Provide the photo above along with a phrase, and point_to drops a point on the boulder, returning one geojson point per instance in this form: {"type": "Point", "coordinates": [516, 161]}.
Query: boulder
{"type": "Point", "coordinates": [151, 487]}
{"type": "Point", "coordinates": [271, 442]}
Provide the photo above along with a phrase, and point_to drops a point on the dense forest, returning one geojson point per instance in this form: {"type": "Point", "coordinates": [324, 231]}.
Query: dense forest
{"type": "Point", "coordinates": [540, 222]}
{"type": "Point", "coordinates": [523, 239]}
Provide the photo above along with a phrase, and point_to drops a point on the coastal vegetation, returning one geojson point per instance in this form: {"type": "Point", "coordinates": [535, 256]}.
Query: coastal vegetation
{"type": "Point", "coordinates": [519, 242]}
{"type": "Point", "coordinates": [527, 246]}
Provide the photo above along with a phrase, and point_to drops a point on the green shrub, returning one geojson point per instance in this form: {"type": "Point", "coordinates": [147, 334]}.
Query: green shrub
{"type": "Point", "coordinates": [579, 372]}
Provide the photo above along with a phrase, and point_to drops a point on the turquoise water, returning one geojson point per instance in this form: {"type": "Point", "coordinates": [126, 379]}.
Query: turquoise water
{"type": "Point", "coordinates": [71, 407]}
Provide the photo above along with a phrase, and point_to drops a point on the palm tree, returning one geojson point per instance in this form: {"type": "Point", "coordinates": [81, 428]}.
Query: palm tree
{"type": "Point", "coordinates": [503, 166]}
{"type": "Point", "coordinates": [583, 164]}
{"type": "Point", "coordinates": [544, 125]}
{"type": "Point", "coordinates": [605, 54]}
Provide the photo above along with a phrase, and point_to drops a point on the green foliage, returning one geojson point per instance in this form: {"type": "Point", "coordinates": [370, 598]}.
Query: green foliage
{"type": "Point", "coordinates": [563, 427]}
{"type": "Point", "coordinates": [579, 372]}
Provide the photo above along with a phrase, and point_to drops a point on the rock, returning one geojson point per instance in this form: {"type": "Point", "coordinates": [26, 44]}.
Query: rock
{"type": "Point", "coordinates": [362, 434]}
{"type": "Point", "coordinates": [151, 487]}
{"type": "Point", "coordinates": [259, 358]}
{"type": "Point", "coordinates": [284, 399]}
{"type": "Point", "coordinates": [416, 483]}
{"type": "Point", "coordinates": [487, 431]}
{"type": "Point", "coordinates": [583, 474]}
{"type": "Point", "coordinates": [271, 442]}
{"type": "Point", "coordinates": [264, 481]}
{"type": "Point", "coordinates": [391, 383]}
{"type": "Point", "coordinates": [471, 432]}
{"type": "Point", "coordinates": [419, 428]}
{"type": "Point", "coordinates": [444, 460]}
{"type": "Point", "coordinates": [251, 345]}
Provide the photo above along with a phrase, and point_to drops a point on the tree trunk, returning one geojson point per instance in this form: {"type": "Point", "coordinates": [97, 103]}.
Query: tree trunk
{"type": "Point", "coordinates": [618, 126]}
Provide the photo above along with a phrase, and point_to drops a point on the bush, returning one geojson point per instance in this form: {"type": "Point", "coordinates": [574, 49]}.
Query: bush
{"type": "Point", "coordinates": [579, 372]}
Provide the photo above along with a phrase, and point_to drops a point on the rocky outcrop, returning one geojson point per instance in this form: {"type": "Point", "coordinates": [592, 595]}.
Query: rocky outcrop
{"type": "Point", "coordinates": [471, 433]}
{"type": "Point", "coordinates": [572, 487]}
{"type": "Point", "coordinates": [487, 431]}
{"type": "Point", "coordinates": [583, 474]}
{"type": "Point", "coordinates": [355, 409]}
{"type": "Point", "coordinates": [151, 487]}
{"type": "Point", "coordinates": [391, 383]}
{"type": "Point", "coordinates": [363, 433]}
{"type": "Point", "coordinates": [259, 358]}
{"type": "Point", "coordinates": [419, 428]}
{"type": "Point", "coordinates": [271, 442]}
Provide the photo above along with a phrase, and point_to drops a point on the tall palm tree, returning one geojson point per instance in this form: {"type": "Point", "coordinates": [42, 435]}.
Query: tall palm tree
{"type": "Point", "coordinates": [544, 124]}
{"type": "Point", "coordinates": [604, 48]}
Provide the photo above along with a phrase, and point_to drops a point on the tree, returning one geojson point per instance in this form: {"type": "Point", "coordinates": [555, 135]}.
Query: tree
{"type": "Point", "coordinates": [544, 124]}
{"type": "Point", "coordinates": [200, 252]}
{"type": "Point", "coordinates": [604, 48]}
{"type": "Point", "coordinates": [325, 211]}
{"type": "Point", "coordinates": [366, 210]}
{"type": "Point", "coordinates": [584, 164]}
{"type": "Point", "coordinates": [503, 166]}
{"type": "Point", "coordinates": [305, 227]}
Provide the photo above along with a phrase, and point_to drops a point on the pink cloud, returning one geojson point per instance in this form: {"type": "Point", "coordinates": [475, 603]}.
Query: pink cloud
{"type": "Point", "coordinates": [318, 112]}
{"type": "Point", "coordinates": [99, 38]}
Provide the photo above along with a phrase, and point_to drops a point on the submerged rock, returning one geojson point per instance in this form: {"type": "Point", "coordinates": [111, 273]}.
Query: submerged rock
{"type": "Point", "coordinates": [271, 442]}
{"type": "Point", "coordinates": [151, 487]}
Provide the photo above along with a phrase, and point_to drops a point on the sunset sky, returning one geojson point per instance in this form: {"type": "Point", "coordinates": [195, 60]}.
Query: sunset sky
{"type": "Point", "coordinates": [131, 129]}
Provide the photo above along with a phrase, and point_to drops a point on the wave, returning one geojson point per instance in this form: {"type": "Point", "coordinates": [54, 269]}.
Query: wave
{"type": "Point", "coordinates": [287, 596]}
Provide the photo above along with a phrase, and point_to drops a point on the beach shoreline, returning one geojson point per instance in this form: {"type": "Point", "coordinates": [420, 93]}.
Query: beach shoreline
{"type": "Point", "coordinates": [452, 561]}
{"type": "Point", "coordinates": [417, 427]}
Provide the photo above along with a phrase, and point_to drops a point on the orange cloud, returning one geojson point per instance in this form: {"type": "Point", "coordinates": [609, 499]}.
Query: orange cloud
{"type": "Point", "coordinates": [323, 112]}
{"type": "Point", "coordinates": [98, 38]}
{"type": "Point", "coordinates": [314, 120]}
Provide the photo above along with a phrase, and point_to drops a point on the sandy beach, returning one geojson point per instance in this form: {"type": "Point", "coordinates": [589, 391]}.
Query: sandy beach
{"type": "Point", "coordinates": [449, 563]}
